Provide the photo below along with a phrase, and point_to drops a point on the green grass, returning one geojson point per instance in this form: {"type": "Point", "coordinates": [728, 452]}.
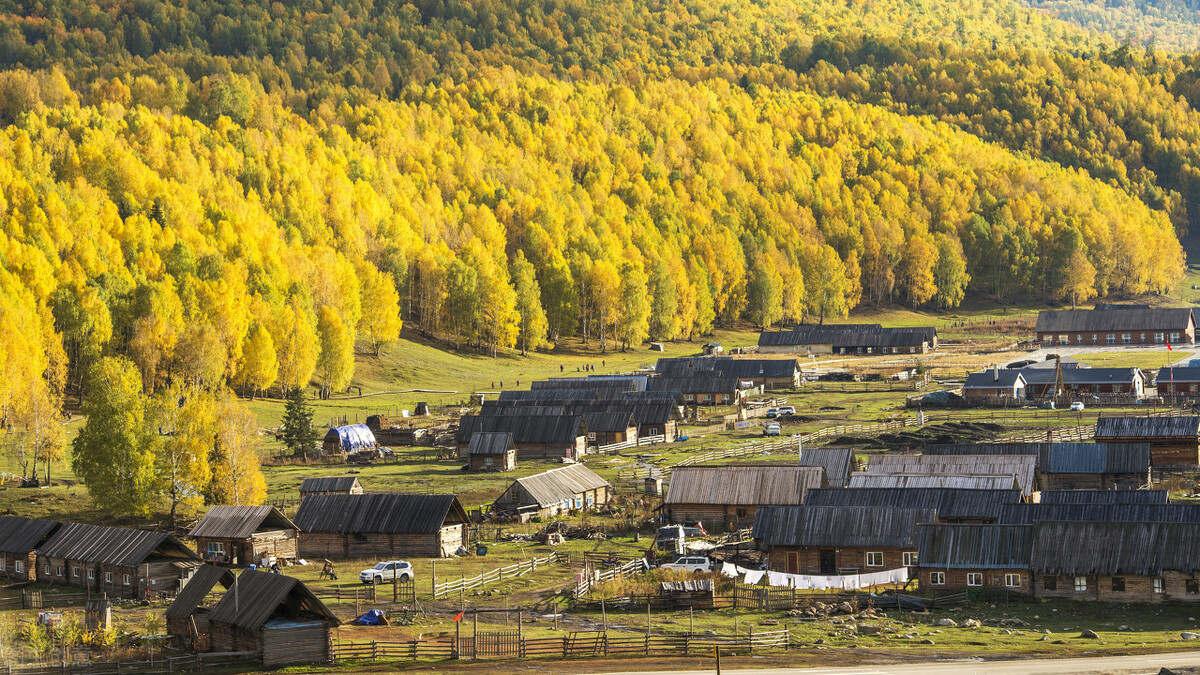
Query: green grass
{"type": "Point", "coordinates": [1148, 360]}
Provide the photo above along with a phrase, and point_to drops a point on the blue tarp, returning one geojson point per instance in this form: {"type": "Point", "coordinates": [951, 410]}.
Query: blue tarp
{"type": "Point", "coordinates": [372, 617]}
{"type": "Point", "coordinates": [352, 437]}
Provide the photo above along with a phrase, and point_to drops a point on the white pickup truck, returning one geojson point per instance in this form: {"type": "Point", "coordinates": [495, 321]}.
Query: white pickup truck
{"type": "Point", "coordinates": [690, 564]}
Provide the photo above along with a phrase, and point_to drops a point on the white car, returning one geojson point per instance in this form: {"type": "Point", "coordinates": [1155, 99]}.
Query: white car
{"type": "Point", "coordinates": [386, 571]}
{"type": "Point", "coordinates": [689, 565]}
{"type": "Point", "coordinates": [772, 429]}
{"type": "Point", "coordinates": [1077, 406]}
{"type": "Point", "coordinates": [787, 410]}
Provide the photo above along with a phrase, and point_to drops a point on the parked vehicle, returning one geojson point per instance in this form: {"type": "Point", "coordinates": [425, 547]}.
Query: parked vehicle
{"type": "Point", "coordinates": [1077, 406]}
{"type": "Point", "coordinates": [772, 429]}
{"type": "Point", "coordinates": [772, 412]}
{"type": "Point", "coordinates": [689, 565]}
{"type": "Point", "coordinates": [787, 410]}
{"type": "Point", "coordinates": [387, 571]}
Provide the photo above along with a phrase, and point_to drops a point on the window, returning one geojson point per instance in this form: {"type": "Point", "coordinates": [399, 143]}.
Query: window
{"type": "Point", "coordinates": [1118, 584]}
{"type": "Point", "coordinates": [1064, 339]}
{"type": "Point", "coordinates": [1143, 337]}
{"type": "Point", "coordinates": [91, 574]}
{"type": "Point", "coordinates": [1193, 388]}
{"type": "Point", "coordinates": [216, 548]}
{"type": "Point", "coordinates": [47, 569]}
{"type": "Point", "coordinates": [1078, 339]}
{"type": "Point", "coordinates": [974, 579]}
{"type": "Point", "coordinates": [1158, 337]}
{"type": "Point", "coordinates": [1159, 586]}
{"type": "Point", "coordinates": [741, 513]}
{"type": "Point", "coordinates": [1192, 586]}
{"type": "Point", "coordinates": [125, 579]}
{"type": "Point", "coordinates": [1126, 338]}
{"type": "Point", "coordinates": [19, 566]}
{"type": "Point", "coordinates": [1048, 339]}
{"type": "Point", "coordinates": [909, 558]}
{"type": "Point", "coordinates": [1110, 339]}
{"type": "Point", "coordinates": [874, 559]}
{"type": "Point", "coordinates": [1012, 580]}
{"type": "Point", "coordinates": [1175, 338]}
{"type": "Point", "coordinates": [937, 578]}
{"type": "Point", "coordinates": [1050, 583]}
{"type": "Point", "coordinates": [108, 577]}
{"type": "Point", "coordinates": [591, 499]}
{"type": "Point", "coordinates": [487, 460]}
{"type": "Point", "coordinates": [75, 572]}
{"type": "Point", "coordinates": [1094, 338]}
{"type": "Point", "coordinates": [3, 563]}
{"type": "Point", "coordinates": [1080, 584]}
{"type": "Point", "coordinates": [591, 435]}
{"type": "Point", "coordinates": [58, 571]}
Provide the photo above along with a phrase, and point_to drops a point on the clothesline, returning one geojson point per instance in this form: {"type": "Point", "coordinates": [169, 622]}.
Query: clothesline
{"type": "Point", "coordinates": [817, 582]}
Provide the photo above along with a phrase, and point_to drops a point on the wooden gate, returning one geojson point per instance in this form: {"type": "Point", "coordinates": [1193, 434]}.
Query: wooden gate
{"type": "Point", "coordinates": [499, 643]}
{"type": "Point", "coordinates": [584, 644]}
{"type": "Point", "coordinates": [404, 591]}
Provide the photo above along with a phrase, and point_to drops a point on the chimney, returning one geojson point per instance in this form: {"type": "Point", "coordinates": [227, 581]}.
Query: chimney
{"type": "Point", "coordinates": [996, 372]}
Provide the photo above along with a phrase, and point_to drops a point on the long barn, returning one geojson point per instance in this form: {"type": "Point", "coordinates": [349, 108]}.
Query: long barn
{"type": "Point", "coordinates": [381, 525]}
{"type": "Point", "coordinates": [727, 496]}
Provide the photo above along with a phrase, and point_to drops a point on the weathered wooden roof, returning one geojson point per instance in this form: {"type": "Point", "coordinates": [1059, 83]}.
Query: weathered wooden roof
{"type": "Point", "coordinates": [607, 382]}
{"type": "Point", "coordinates": [1023, 514]}
{"type": "Point", "coordinates": [1103, 497]}
{"type": "Point", "coordinates": [837, 462]}
{"type": "Point", "coordinates": [239, 522]}
{"type": "Point", "coordinates": [950, 503]}
{"type": "Point", "coordinates": [1063, 457]}
{"type": "Point", "coordinates": [119, 546]}
{"type": "Point", "coordinates": [556, 485]}
{"type": "Point", "coordinates": [1177, 375]}
{"type": "Point", "coordinates": [644, 410]}
{"type": "Point", "coordinates": [849, 335]}
{"type": "Point", "coordinates": [22, 535]}
{"type": "Point", "coordinates": [490, 443]}
{"type": "Point", "coordinates": [839, 526]}
{"type": "Point", "coordinates": [923, 481]}
{"type": "Point", "coordinates": [742, 485]}
{"type": "Point", "coordinates": [1144, 549]}
{"type": "Point", "coordinates": [1021, 466]}
{"type": "Point", "coordinates": [329, 484]}
{"type": "Point", "coordinates": [609, 421]}
{"type": "Point", "coordinates": [993, 379]}
{"type": "Point", "coordinates": [378, 513]}
{"type": "Point", "coordinates": [351, 437]}
{"type": "Point", "coordinates": [531, 429]}
{"type": "Point", "coordinates": [1081, 376]}
{"type": "Point", "coordinates": [705, 382]}
{"type": "Point", "coordinates": [197, 588]}
{"type": "Point", "coordinates": [727, 366]}
{"type": "Point", "coordinates": [1148, 427]}
{"type": "Point", "coordinates": [257, 597]}
{"type": "Point", "coordinates": [1115, 318]}
{"type": "Point", "coordinates": [955, 546]}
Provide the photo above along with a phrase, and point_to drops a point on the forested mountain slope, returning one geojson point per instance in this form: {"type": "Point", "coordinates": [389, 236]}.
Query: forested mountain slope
{"type": "Point", "coordinates": [1172, 25]}
{"type": "Point", "coordinates": [241, 193]}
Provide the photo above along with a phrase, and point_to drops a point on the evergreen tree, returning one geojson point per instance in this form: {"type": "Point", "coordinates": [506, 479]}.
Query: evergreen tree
{"type": "Point", "coordinates": [297, 428]}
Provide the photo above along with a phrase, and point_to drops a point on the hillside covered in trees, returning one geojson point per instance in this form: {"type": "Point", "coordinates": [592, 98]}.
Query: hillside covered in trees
{"type": "Point", "coordinates": [246, 193]}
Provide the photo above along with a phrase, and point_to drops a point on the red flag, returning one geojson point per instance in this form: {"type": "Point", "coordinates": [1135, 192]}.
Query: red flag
{"type": "Point", "coordinates": [459, 616]}
{"type": "Point", "coordinates": [1169, 346]}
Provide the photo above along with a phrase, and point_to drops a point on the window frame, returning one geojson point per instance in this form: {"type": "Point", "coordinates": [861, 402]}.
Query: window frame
{"type": "Point", "coordinates": [909, 558]}
{"type": "Point", "coordinates": [974, 579]}
{"type": "Point", "coordinates": [1049, 582]}
{"type": "Point", "coordinates": [877, 556]}
{"type": "Point", "coordinates": [1118, 584]}
{"type": "Point", "coordinates": [1081, 584]}
{"type": "Point", "coordinates": [1010, 577]}
{"type": "Point", "coordinates": [937, 578]}
{"type": "Point", "coordinates": [1158, 585]}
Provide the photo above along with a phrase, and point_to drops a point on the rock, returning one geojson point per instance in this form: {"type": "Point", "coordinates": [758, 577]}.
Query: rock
{"type": "Point", "coordinates": [819, 641]}
{"type": "Point", "coordinates": [935, 632]}
{"type": "Point", "coordinates": [845, 608]}
{"type": "Point", "coordinates": [1011, 622]}
{"type": "Point", "coordinates": [1045, 631]}
{"type": "Point", "coordinates": [820, 606]}
{"type": "Point", "coordinates": [890, 631]}
{"type": "Point", "coordinates": [796, 612]}
{"type": "Point", "coordinates": [1043, 639]}
{"type": "Point", "coordinates": [1123, 627]}
{"type": "Point", "coordinates": [971, 623]}
{"type": "Point", "coordinates": [1089, 635]}
{"type": "Point", "coordinates": [764, 622]}
{"type": "Point", "coordinates": [946, 622]}
{"type": "Point", "coordinates": [836, 621]}
{"type": "Point", "coordinates": [926, 641]}
{"type": "Point", "coordinates": [911, 636]}
{"type": "Point", "coordinates": [1007, 631]}
{"type": "Point", "coordinates": [977, 644]}
{"type": "Point", "coordinates": [710, 632]}
{"type": "Point", "coordinates": [867, 629]}
{"type": "Point", "coordinates": [1057, 642]}
{"type": "Point", "coordinates": [1187, 635]}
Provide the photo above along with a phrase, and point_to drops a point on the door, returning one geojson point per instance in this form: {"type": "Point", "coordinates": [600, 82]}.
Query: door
{"type": "Point", "coordinates": [793, 562]}
{"type": "Point", "coordinates": [828, 561]}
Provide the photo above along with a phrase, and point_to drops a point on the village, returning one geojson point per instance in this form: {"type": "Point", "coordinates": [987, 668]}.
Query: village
{"type": "Point", "coordinates": [823, 495]}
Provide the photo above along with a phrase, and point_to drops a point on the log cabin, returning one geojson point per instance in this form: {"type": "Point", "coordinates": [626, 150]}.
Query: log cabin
{"type": "Point", "coordinates": [766, 373]}
{"type": "Point", "coordinates": [273, 615]}
{"type": "Point", "coordinates": [1022, 467]}
{"type": "Point", "coordinates": [381, 525]}
{"type": "Point", "coordinates": [953, 505]}
{"type": "Point", "coordinates": [330, 485]}
{"type": "Point", "coordinates": [187, 616]}
{"type": "Point", "coordinates": [995, 386]}
{"type": "Point", "coordinates": [727, 496]}
{"type": "Point", "coordinates": [1072, 466]}
{"type": "Point", "coordinates": [1174, 441]}
{"type": "Point", "coordinates": [960, 557]}
{"type": "Point", "coordinates": [550, 493]}
{"type": "Point", "coordinates": [116, 560]}
{"type": "Point", "coordinates": [1116, 325]}
{"type": "Point", "coordinates": [491, 451]}
{"type": "Point", "coordinates": [609, 428]}
{"type": "Point", "coordinates": [553, 435]}
{"type": "Point", "coordinates": [244, 535]}
{"type": "Point", "coordinates": [19, 541]}
{"type": "Point", "coordinates": [839, 540]}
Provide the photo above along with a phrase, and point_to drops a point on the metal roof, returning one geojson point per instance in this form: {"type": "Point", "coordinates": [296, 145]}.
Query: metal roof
{"type": "Point", "coordinates": [1103, 497]}
{"type": "Point", "coordinates": [535, 429]}
{"type": "Point", "coordinates": [1023, 514]}
{"type": "Point", "coordinates": [239, 522]}
{"type": "Point", "coordinates": [22, 535]}
{"type": "Point", "coordinates": [726, 366]}
{"type": "Point", "coordinates": [329, 484]}
{"type": "Point", "coordinates": [704, 382]}
{"type": "Point", "coordinates": [950, 503]}
{"type": "Point", "coordinates": [957, 546]}
{"type": "Point", "coordinates": [609, 421]}
{"type": "Point", "coordinates": [1021, 466]}
{"type": "Point", "coordinates": [352, 437]}
{"type": "Point", "coordinates": [849, 335]}
{"type": "Point", "coordinates": [837, 462]}
{"type": "Point", "coordinates": [256, 597]}
{"type": "Point", "coordinates": [605, 382]}
{"type": "Point", "coordinates": [119, 546]}
{"type": "Point", "coordinates": [644, 410]}
{"type": "Point", "coordinates": [1148, 427]}
{"type": "Point", "coordinates": [556, 485]}
{"type": "Point", "coordinates": [1177, 375]}
{"type": "Point", "coordinates": [747, 485]}
{"type": "Point", "coordinates": [1114, 318]}
{"type": "Point", "coordinates": [839, 526]}
{"type": "Point", "coordinates": [1063, 457]}
{"type": "Point", "coordinates": [1146, 549]}
{"type": "Point", "coordinates": [378, 513]}
{"type": "Point", "coordinates": [1082, 376]}
{"type": "Point", "coordinates": [993, 379]}
{"type": "Point", "coordinates": [197, 588]}
{"type": "Point", "coordinates": [491, 443]}
{"type": "Point", "coordinates": [923, 481]}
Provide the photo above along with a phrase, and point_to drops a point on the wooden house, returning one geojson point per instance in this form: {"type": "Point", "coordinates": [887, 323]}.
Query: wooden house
{"type": "Point", "coordinates": [953, 505]}
{"type": "Point", "coordinates": [330, 485]}
{"type": "Point", "coordinates": [765, 373]}
{"type": "Point", "coordinates": [961, 557]}
{"type": "Point", "coordinates": [608, 428]}
{"type": "Point", "coordinates": [995, 386]}
{"type": "Point", "coordinates": [656, 413]}
{"type": "Point", "coordinates": [274, 615]}
{"type": "Point", "coordinates": [19, 541]}
{"type": "Point", "coordinates": [348, 439]}
{"type": "Point", "coordinates": [1178, 382]}
{"type": "Point", "coordinates": [703, 388]}
{"type": "Point", "coordinates": [849, 339]}
{"type": "Point", "coordinates": [1022, 467]}
{"type": "Point", "coordinates": [862, 479]}
{"type": "Point", "coordinates": [569, 488]}
{"type": "Point", "coordinates": [244, 535]}
{"type": "Point", "coordinates": [1072, 466]}
{"type": "Point", "coordinates": [1104, 497]}
{"type": "Point", "coordinates": [839, 540]}
{"type": "Point", "coordinates": [491, 451]}
{"type": "Point", "coordinates": [187, 617]}
{"type": "Point", "coordinates": [1174, 441]}
{"type": "Point", "coordinates": [553, 435]}
{"type": "Point", "coordinates": [838, 463]}
{"type": "Point", "coordinates": [1116, 325]}
{"type": "Point", "coordinates": [1147, 562]}
{"type": "Point", "coordinates": [1080, 382]}
{"type": "Point", "coordinates": [116, 560]}
{"type": "Point", "coordinates": [381, 526]}
{"type": "Point", "coordinates": [727, 496]}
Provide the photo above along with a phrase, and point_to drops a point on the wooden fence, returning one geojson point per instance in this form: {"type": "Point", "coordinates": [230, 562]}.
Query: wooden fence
{"type": "Point", "coordinates": [516, 569]}
{"type": "Point", "coordinates": [178, 664]}
{"type": "Point", "coordinates": [592, 577]}
{"type": "Point", "coordinates": [354, 592]}
{"type": "Point", "coordinates": [42, 600]}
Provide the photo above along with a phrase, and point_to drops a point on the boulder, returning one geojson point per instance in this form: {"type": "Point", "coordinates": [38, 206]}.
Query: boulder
{"type": "Point", "coordinates": [971, 623]}
{"type": "Point", "coordinates": [911, 636]}
{"type": "Point", "coordinates": [867, 629]}
{"type": "Point", "coordinates": [1088, 634]}
{"type": "Point", "coordinates": [1188, 635]}
{"type": "Point", "coordinates": [1123, 627]}
{"type": "Point", "coordinates": [844, 608]}
{"type": "Point", "coordinates": [946, 622]}
{"type": "Point", "coordinates": [926, 641]}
